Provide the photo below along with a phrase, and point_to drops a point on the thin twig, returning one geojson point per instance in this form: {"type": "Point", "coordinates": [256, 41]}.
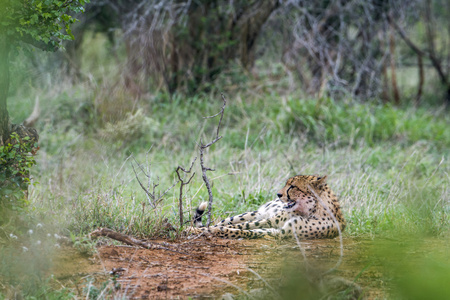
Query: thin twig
{"type": "Point", "coordinates": [219, 113]}
{"type": "Point", "coordinates": [142, 186]}
{"type": "Point", "coordinates": [183, 183]}
{"type": "Point", "coordinates": [165, 192]}
{"type": "Point", "coordinates": [434, 60]}
{"type": "Point", "coordinates": [202, 162]}
{"type": "Point", "coordinates": [152, 197]}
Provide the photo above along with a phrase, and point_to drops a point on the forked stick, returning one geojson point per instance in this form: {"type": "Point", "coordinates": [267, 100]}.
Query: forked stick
{"type": "Point", "coordinates": [202, 162]}
{"type": "Point", "coordinates": [182, 184]}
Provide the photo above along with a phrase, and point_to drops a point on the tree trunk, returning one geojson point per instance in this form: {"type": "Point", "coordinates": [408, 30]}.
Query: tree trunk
{"type": "Point", "coordinates": [249, 26]}
{"type": "Point", "coordinates": [395, 92]}
{"type": "Point", "coordinates": [4, 88]}
{"type": "Point", "coordinates": [447, 97]}
{"type": "Point", "coordinates": [421, 79]}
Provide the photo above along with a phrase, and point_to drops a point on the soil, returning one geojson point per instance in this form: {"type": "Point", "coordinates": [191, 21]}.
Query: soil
{"type": "Point", "coordinates": [208, 267]}
{"type": "Point", "coordinates": [166, 274]}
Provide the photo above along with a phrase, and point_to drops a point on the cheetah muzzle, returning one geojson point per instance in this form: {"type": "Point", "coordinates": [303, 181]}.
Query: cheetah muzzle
{"type": "Point", "coordinates": [290, 205]}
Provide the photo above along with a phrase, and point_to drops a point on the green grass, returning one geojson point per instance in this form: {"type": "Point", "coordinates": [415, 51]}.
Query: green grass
{"type": "Point", "coordinates": [386, 163]}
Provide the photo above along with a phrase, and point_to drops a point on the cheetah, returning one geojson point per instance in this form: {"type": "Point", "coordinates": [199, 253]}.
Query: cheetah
{"type": "Point", "coordinates": [298, 211]}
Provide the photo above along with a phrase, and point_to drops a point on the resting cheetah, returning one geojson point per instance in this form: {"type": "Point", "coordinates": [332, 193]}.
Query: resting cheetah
{"type": "Point", "coordinates": [299, 207]}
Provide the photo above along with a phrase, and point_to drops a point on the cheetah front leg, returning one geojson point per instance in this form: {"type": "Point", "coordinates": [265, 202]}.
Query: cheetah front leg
{"type": "Point", "coordinates": [275, 221]}
{"type": "Point", "coordinates": [233, 233]}
{"type": "Point", "coordinates": [242, 218]}
{"type": "Point", "coordinates": [258, 224]}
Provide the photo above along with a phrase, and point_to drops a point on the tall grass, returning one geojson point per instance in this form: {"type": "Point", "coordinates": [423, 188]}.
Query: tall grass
{"type": "Point", "coordinates": [388, 164]}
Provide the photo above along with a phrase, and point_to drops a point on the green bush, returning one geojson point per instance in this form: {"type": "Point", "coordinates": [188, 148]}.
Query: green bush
{"type": "Point", "coordinates": [329, 121]}
{"type": "Point", "coordinates": [16, 159]}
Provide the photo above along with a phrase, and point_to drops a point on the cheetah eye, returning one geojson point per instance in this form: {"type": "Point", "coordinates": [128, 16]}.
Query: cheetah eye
{"type": "Point", "coordinates": [287, 192]}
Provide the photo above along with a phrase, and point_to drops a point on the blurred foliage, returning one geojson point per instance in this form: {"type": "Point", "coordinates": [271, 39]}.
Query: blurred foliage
{"type": "Point", "coordinates": [16, 160]}
{"type": "Point", "coordinates": [329, 48]}
{"type": "Point", "coordinates": [326, 121]}
{"type": "Point", "coordinates": [27, 254]}
{"type": "Point", "coordinates": [34, 21]}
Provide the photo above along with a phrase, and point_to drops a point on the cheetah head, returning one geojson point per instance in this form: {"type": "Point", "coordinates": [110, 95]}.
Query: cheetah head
{"type": "Point", "coordinates": [298, 197]}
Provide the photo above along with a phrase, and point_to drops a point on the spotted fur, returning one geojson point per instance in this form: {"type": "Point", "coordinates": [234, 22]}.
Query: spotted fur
{"type": "Point", "coordinates": [298, 208]}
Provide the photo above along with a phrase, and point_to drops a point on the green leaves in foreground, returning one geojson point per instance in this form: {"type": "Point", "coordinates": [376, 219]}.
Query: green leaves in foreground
{"type": "Point", "coordinates": [43, 23]}
{"type": "Point", "coordinates": [16, 159]}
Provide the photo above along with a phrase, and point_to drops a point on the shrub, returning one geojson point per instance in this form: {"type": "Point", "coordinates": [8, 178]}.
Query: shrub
{"type": "Point", "coordinates": [16, 159]}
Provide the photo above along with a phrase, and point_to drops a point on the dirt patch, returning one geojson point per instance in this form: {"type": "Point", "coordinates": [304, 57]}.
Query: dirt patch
{"type": "Point", "coordinates": [200, 269]}
{"type": "Point", "coordinates": [69, 263]}
{"type": "Point", "coordinates": [210, 267]}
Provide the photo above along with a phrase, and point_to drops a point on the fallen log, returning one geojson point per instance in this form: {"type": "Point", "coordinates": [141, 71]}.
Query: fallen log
{"type": "Point", "coordinates": [129, 240]}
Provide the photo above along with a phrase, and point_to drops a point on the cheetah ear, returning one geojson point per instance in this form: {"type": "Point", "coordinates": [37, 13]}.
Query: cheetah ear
{"type": "Point", "coordinates": [321, 181]}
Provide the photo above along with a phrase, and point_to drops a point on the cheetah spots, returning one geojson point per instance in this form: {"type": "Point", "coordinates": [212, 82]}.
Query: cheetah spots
{"type": "Point", "coordinates": [270, 219]}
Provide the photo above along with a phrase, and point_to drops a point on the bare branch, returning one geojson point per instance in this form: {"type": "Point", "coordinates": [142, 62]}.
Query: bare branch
{"type": "Point", "coordinates": [183, 183]}
{"type": "Point", "coordinates": [221, 117]}
{"type": "Point", "coordinates": [434, 60]}
{"type": "Point", "coordinates": [34, 116]}
{"type": "Point", "coordinates": [165, 192]}
{"type": "Point", "coordinates": [332, 46]}
{"type": "Point", "coordinates": [142, 186]}
{"type": "Point", "coordinates": [202, 162]}
{"type": "Point", "coordinates": [211, 143]}
{"type": "Point", "coordinates": [152, 197]}
{"type": "Point", "coordinates": [403, 35]}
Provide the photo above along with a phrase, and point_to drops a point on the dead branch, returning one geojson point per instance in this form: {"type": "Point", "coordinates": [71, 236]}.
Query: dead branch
{"type": "Point", "coordinates": [149, 195]}
{"type": "Point", "coordinates": [129, 240]}
{"type": "Point", "coordinates": [395, 92]}
{"type": "Point", "coordinates": [34, 116]}
{"type": "Point", "coordinates": [331, 46]}
{"type": "Point", "coordinates": [421, 79]}
{"type": "Point", "coordinates": [183, 183]}
{"type": "Point", "coordinates": [152, 197]}
{"type": "Point", "coordinates": [202, 162]}
{"type": "Point", "coordinates": [434, 60]}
